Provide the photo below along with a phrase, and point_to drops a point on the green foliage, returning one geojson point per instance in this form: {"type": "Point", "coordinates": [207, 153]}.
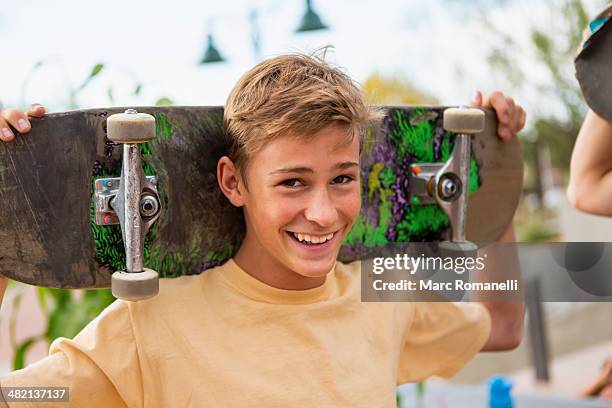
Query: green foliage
{"type": "Point", "coordinates": [394, 90]}
{"type": "Point", "coordinates": [164, 101]}
{"type": "Point", "coordinates": [19, 357]}
{"type": "Point", "coordinates": [95, 71]}
{"type": "Point", "coordinates": [66, 315]}
{"type": "Point", "coordinates": [420, 394]}
{"type": "Point", "coordinates": [554, 43]}
{"type": "Point", "coordinates": [537, 226]}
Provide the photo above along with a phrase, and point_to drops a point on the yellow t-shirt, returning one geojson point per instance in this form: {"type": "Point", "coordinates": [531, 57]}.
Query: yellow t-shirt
{"type": "Point", "coordinates": [225, 339]}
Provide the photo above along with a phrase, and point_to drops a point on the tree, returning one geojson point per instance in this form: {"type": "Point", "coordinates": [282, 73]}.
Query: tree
{"type": "Point", "coordinates": [394, 90]}
{"type": "Point", "coordinates": [544, 68]}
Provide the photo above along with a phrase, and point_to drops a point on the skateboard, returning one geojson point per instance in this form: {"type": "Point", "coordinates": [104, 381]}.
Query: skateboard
{"type": "Point", "coordinates": [60, 186]}
{"type": "Point", "coordinates": [593, 63]}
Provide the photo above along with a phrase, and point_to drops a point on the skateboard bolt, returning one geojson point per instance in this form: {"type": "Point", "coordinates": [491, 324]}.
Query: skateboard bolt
{"type": "Point", "coordinates": [148, 206]}
{"type": "Point", "coordinates": [131, 111]}
{"type": "Point", "coordinates": [108, 219]}
{"type": "Point", "coordinates": [448, 188]}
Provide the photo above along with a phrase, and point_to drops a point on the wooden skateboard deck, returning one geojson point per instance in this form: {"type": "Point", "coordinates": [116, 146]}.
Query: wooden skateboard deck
{"type": "Point", "coordinates": [46, 187]}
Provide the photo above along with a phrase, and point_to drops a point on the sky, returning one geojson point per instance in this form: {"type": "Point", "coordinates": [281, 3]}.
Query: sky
{"type": "Point", "coordinates": [438, 45]}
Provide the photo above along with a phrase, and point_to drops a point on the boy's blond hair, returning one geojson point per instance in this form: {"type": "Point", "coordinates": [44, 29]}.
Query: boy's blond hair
{"type": "Point", "coordinates": [295, 94]}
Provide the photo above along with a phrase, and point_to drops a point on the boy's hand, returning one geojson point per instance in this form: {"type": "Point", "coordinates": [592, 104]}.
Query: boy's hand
{"type": "Point", "coordinates": [3, 283]}
{"type": "Point", "coordinates": [18, 120]}
{"type": "Point", "coordinates": [511, 116]}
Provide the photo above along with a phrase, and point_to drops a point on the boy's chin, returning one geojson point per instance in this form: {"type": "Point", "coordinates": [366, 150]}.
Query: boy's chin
{"type": "Point", "coordinates": [307, 269]}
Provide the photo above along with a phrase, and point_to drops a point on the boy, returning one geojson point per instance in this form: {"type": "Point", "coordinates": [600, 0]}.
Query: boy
{"type": "Point", "coordinates": [281, 324]}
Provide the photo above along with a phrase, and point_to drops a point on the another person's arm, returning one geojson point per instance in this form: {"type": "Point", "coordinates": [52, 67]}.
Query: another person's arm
{"type": "Point", "coordinates": [590, 186]}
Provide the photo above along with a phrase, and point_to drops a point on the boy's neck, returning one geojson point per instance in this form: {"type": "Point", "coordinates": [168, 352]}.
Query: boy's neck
{"type": "Point", "coordinates": [257, 262]}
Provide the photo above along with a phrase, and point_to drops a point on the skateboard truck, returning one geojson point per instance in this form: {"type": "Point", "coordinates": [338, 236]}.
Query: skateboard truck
{"type": "Point", "coordinates": [135, 202]}
{"type": "Point", "coordinates": [446, 184]}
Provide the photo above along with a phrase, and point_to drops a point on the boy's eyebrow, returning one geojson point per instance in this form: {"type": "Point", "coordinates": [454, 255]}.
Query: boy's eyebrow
{"type": "Point", "coordinates": [339, 166]}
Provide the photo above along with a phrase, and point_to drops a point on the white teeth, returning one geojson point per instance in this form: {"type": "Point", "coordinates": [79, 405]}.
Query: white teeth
{"type": "Point", "coordinates": [314, 239]}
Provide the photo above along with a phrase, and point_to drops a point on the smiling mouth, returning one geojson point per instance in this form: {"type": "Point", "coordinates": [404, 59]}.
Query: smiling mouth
{"type": "Point", "coordinates": [312, 239]}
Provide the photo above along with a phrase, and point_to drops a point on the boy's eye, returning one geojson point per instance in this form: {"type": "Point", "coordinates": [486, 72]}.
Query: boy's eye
{"type": "Point", "coordinates": [343, 179]}
{"type": "Point", "coordinates": [291, 183]}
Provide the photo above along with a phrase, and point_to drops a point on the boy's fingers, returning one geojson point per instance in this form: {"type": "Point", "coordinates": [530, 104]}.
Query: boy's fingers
{"type": "Point", "coordinates": [504, 132]}
{"type": "Point", "coordinates": [36, 110]}
{"type": "Point", "coordinates": [501, 105]}
{"type": "Point", "coordinates": [6, 135]}
{"type": "Point", "coordinates": [511, 109]}
{"type": "Point", "coordinates": [522, 117]}
{"type": "Point", "coordinates": [17, 119]}
{"type": "Point", "coordinates": [476, 100]}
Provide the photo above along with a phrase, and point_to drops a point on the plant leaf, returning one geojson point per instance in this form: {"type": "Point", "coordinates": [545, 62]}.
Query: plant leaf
{"type": "Point", "coordinates": [19, 357]}
{"type": "Point", "coordinates": [164, 101]}
{"type": "Point", "coordinates": [41, 294]}
{"type": "Point", "coordinates": [96, 70]}
{"type": "Point", "coordinates": [13, 319]}
{"type": "Point", "coordinates": [111, 98]}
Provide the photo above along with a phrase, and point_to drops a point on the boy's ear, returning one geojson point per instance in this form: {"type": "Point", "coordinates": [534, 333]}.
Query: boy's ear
{"type": "Point", "coordinates": [229, 180]}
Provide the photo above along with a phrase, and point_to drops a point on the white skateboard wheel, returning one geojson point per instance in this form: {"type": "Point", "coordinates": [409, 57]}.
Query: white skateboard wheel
{"type": "Point", "coordinates": [131, 127]}
{"type": "Point", "coordinates": [464, 120]}
{"type": "Point", "coordinates": [135, 286]}
{"type": "Point", "coordinates": [465, 249]}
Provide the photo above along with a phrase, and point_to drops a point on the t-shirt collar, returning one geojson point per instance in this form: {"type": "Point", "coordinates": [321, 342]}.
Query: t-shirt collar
{"type": "Point", "coordinates": [260, 291]}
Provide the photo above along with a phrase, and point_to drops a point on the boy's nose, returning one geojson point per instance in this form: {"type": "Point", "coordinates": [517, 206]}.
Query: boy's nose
{"type": "Point", "coordinates": [321, 209]}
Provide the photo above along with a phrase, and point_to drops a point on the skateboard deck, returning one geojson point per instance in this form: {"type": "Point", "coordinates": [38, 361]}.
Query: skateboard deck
{"type": "Point", "coordinates": [593, 64]}
{"type": "Point", "coordinates": [49, 237]}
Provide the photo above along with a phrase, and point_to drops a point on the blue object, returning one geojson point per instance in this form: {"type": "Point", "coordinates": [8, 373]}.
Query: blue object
{"type": "Point", "coordinates": [499, 392]}
{"type": "Point", "coordinates": [597, 24]}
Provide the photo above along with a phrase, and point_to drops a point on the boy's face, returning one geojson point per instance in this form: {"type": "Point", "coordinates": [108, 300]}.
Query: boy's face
{"type": "Point", "coordinates": [303, 197]}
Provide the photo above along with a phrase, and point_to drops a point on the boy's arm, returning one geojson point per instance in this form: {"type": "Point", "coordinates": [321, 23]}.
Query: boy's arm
{"type": "Point", "coordinates": [507, 317]}
{"type": "Point", "coordinates": [100, 367]}
{"type": "Point", "coordinates": [590, 186]}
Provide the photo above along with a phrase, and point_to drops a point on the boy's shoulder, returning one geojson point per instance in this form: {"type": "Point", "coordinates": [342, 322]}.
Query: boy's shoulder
{"type": "Point", "coordinates": [173, 292]}
{"type": "Point", "coordinates": [348, 269]}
